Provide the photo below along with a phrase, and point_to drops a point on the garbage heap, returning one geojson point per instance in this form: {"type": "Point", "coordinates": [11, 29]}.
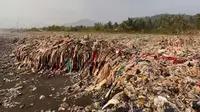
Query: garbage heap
{"type": "Point", "coordinates": [160, 73]}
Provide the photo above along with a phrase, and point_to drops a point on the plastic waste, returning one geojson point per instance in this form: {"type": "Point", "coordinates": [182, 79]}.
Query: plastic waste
{"type": "Point", "coordinates": [112, 101]}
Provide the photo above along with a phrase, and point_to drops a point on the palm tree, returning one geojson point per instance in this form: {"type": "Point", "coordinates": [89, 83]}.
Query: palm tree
{"type": "Point", "coordinates": [109, 25]}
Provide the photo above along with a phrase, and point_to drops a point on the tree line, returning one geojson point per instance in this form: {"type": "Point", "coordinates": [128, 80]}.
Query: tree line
{"type": "Point", "coordinates": [164, 23]}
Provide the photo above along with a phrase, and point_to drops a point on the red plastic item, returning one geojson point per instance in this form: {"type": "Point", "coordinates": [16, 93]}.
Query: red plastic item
{"type": "Point", "coordinates": [94, 54]}
{"type": "Point", "coordinates": [198, 84]}
{"type": "Point", "coordinates": [57, 66]}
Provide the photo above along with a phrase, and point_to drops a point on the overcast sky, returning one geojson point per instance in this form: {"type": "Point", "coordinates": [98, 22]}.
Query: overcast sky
{"type": "Point", "coordinates": [38, 13]}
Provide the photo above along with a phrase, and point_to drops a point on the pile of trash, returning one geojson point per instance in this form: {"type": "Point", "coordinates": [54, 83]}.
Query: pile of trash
{"type": "Point", "coordinates": [149, 73]}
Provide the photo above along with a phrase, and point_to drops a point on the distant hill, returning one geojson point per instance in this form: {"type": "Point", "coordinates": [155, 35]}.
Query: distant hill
{"type": "Point", "coordinates": [84, 22]}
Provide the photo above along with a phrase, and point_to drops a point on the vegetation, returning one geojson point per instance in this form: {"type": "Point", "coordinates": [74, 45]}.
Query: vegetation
{"type": "Point", "coordinates": [164, 23]}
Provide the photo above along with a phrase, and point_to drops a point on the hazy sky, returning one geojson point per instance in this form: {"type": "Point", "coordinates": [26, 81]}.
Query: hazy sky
{"type": "Point", "coordinates": [30, 13]}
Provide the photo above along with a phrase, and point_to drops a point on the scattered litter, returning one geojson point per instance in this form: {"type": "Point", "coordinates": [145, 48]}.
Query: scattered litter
{"type": "Point", "coordinates": [42, 97]}
{"type": "Point", "coordinates": [9, 96]}
{"type": "Point", "coordinates": [64, 99]}
{"type": "Point", "coordinates": [22, 106]}
{"type": "Point", "coordinates": [63, 107]}
{"type": "Point", "coordinates": [34, 88]}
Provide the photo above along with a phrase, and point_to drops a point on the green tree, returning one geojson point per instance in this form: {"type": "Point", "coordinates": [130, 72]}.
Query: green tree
{"type": "Point", "coordinates": [115, 25]}
{"type": "Point", "coordinates": [109, 25]}
{"type": "Point", "coordinates": [98, 26]}
{"type": "Point", "coordinates": [198, 20]}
